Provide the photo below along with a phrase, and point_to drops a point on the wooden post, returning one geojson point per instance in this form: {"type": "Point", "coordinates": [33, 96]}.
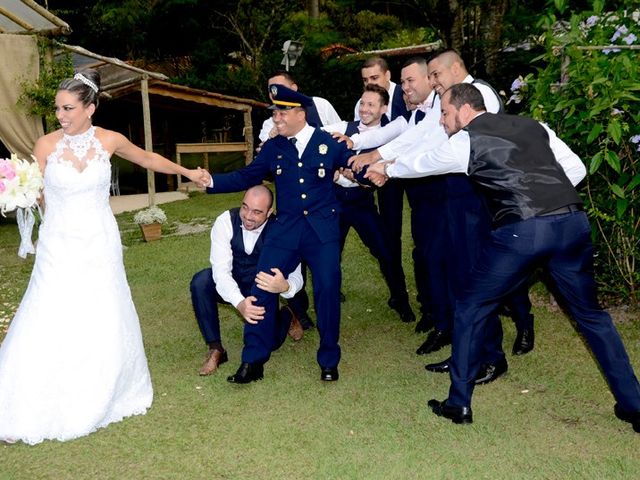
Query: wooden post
{"type": "Point", "coordinates": [148, 137]}
{"type": "Point", "coordinates": [248, 136]}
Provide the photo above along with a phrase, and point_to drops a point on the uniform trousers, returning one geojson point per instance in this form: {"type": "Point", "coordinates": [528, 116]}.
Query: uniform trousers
{"type": "Point", "coordinates": [205, 299]}
{"type": "Point", "coordinates": [562, 245]}
{"type": "Point", "coordinates": [323, 260]}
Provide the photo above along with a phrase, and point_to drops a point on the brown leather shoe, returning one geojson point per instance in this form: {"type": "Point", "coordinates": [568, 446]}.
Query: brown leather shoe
{"type": "Point", "coordinates": [296, 332]}
{"type": "Point", "coordinates": [214, 359]}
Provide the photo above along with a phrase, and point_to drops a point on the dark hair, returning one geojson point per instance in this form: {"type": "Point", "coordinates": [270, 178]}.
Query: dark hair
{"type": "Point", "coordinates": [419, 60]}
{"type": "Point", "coordinates": [384, 95]}
{"type": "Point", "coordinates": [451, 56]}
{"type": "Point", "coordinates": [283, 73]}
{"type": "Point", "coordinates": [465, 93]}
{"type": "Point", "coordinates": [373, 61]}
{"type": "Point", "coordinates": [86, 92]}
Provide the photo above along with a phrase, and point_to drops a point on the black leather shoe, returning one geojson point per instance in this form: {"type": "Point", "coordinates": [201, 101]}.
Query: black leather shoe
{"type": "Point", "coordinates": [329, 374]}
{"type": "Point", "coordinates": [247, 372]}
{"type": "Point", "coordinates": [425, 324]}
{"type": "Point", "coordinates": [306, 321]}
{"type": "Point", "coordinates": [455, 414]}
{"type": "Point", "coordinates": [491, 371]}
{"type": "Point", "coordinates": [403, 308]}
{"type": "Point", "coordinates": [524, 342]}
{"type": "Point", "coordinates": [440, 367]}
{"type": "Point", "coordinates": [434, 342]}
{"type": "Point", "coordinates": [632, 417]}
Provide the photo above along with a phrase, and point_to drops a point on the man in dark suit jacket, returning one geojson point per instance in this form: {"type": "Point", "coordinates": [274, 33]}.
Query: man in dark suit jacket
{"type": "Point", "coordinates": [237, 237]}
{"type": "Point", "coordinates": [527, 177]}
{"type": "Point", "coordinates": [302, 161]}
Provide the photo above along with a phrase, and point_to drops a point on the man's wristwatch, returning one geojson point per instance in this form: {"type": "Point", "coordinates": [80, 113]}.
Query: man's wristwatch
{"type": "Point", "coordinates": [386, 170]}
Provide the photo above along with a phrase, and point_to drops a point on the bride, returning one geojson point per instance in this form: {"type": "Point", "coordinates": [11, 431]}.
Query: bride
{"type": "Point", "coordinates": [73, 359]}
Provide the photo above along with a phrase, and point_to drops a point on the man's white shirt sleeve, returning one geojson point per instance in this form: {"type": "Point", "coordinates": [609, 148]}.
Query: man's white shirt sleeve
{"type": "Point", "coordinates": [221, 259]}
{"type": "Point", "coordinates": [573, 167]}
{"type": "Point", "coordinates": [452, 156]}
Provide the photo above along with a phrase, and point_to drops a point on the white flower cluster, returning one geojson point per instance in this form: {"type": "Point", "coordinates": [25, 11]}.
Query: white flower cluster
{"type": "Point", "coordinates": [150, 215]}
{"type": "Point", "coordinates": [20, 183]}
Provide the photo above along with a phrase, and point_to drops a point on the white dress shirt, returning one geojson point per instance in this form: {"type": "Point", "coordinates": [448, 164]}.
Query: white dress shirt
{"type": "Point", "coordinates": [326, 112]}
{"type": "Point", "coordinates": [389, 135]}
{"type": "Point", "coordinates": [452, 156]}
{"type": "Point", "coordinates": [222, 260]}
{"type": "Point", "coordinates": [429, 134]}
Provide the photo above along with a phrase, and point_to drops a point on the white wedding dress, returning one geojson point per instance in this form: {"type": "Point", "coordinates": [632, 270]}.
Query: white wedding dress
{"type": "Point", "coordinates": [73, 359]}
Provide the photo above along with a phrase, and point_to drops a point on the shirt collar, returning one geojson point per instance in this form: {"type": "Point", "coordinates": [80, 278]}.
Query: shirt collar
{"type": "Point", "coordinates": [303, 137]}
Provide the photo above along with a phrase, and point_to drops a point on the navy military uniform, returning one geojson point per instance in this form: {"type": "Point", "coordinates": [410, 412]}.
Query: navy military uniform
{"type": "Point", "coordinates": [306, 229]}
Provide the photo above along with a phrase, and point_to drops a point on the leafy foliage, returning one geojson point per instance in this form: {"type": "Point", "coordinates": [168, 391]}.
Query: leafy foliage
{"type": "Point", "coordinates": [589, 91]}
{"type": "Point", "coordinates": [38, 97]}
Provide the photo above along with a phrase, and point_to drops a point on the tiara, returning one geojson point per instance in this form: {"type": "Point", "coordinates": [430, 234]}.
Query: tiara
{"type": "Point", "coordinates": [86, 81]}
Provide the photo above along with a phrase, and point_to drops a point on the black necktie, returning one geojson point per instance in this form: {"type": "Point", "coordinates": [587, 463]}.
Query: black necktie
{"type": "Point", "coordinates": [293, 141]}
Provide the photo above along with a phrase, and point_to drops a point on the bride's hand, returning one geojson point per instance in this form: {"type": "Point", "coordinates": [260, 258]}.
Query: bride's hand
{"type": "Point", "coordinates": [200, 177]}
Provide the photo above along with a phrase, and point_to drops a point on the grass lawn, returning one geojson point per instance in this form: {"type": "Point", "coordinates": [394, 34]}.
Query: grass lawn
{"type": "Point", "coordinates": [550, 417]}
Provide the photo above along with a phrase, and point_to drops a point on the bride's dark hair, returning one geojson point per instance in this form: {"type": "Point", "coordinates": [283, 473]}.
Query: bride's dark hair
{"type": "Point", "coordinates": [85, 84]}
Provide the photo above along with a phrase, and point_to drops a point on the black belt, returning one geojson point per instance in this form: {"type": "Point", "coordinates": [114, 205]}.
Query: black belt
{"type": "Point", "coordinates": [574, 207]}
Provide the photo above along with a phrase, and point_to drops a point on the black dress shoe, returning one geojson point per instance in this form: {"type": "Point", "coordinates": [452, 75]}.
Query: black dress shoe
{"type": "Point", "coordinates": [524, 342]}
{"type": "Point", "coordinates": [329, 374]}
{"type": "Point", "coordinates": [440, 367]}
{"type": "Point", "coordinates": [455, 414]}
{"type": "Point", "coordinates": [434, 342]}
{"type": "Point", "coordinates": [306, 321]}
{"type": "Point", "coordinates": [403, 308]}
{"type": "Point", "coordinates": [632, 417]}
{"type": "Point", "coordinates": [425, 324]}
{"type": "Point", "coordinates": [491, 371]}
{"type": "Point", "coordinates": [247, 372]}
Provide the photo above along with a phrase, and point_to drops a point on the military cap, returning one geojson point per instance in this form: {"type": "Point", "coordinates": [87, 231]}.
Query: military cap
{"type": "Point", "coordinates": [284, 98]}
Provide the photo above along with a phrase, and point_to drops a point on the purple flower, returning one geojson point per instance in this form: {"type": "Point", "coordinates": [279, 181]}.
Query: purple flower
{"type": "Point", "coordinates": [607, 51]}
{"type": "Point", "coordinates": [517, 84]}
{"type": "Point", "coordinates": [629, 39]}
{"type": "Point", "coordinates": [636, 139]}
{"type": "Point", "coordinates": [619, 32]}
{"type": "Point", "coordinates": [616, 111]}
{"type": "Point", "coordinates": [592, 20]}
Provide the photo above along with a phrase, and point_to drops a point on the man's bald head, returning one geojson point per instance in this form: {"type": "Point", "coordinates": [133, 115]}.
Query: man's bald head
{"type": "Point", "coordinates": [256, 207]}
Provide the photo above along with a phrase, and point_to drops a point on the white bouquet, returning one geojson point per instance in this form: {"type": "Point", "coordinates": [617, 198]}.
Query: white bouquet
{"type": "Point", "coordinates": [20, 185]}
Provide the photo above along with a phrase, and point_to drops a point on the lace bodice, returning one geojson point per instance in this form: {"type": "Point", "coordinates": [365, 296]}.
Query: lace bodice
{"type": "Point", "coordinates": [78, 174]}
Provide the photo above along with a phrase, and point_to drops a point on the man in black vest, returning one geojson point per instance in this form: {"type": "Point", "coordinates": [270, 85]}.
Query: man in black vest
{"type": "Point", "coordinates": [358, 208]}
{"type": "Point", "coordinates": [527, 177]}
{"type": "Point", "coordinates": [375, 71]}
{"type": "Point", "coordinates": [237, 237]}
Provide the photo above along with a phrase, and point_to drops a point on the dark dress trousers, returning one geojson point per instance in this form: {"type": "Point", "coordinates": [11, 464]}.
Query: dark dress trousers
{"type": "Point", "coordinates": [538, 221]}
{"type": "Point", "coordinates": [306, 229]}
{"type": "Point", "coordinates": [205, 297]}
{"type": "Point", "coordinates": [358, 211]}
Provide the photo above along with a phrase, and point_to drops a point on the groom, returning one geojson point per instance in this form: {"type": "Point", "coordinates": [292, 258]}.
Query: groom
{"type": "Point", "coordinates": [302, 160]}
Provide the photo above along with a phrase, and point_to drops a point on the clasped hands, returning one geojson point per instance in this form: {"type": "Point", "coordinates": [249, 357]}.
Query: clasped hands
{"type": "Point", "coordinates": [375, 168]}
{"type": "Point", "coordinates": [200, 177]}
{"type": "Point", "coordinates": [275, 283]}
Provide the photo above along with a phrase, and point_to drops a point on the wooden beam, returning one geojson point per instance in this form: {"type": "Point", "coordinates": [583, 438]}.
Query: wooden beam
{"type": "Point", "coordinates": [148, 137]}
{"type": "Point", "coordinates": [190, 97]}
{"type": "Point", "coordinates": [248, 137]}
{"type": "Point", "coordinates": [112, 60]}
{"type": "Point", "coordinates": [211, 147]}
